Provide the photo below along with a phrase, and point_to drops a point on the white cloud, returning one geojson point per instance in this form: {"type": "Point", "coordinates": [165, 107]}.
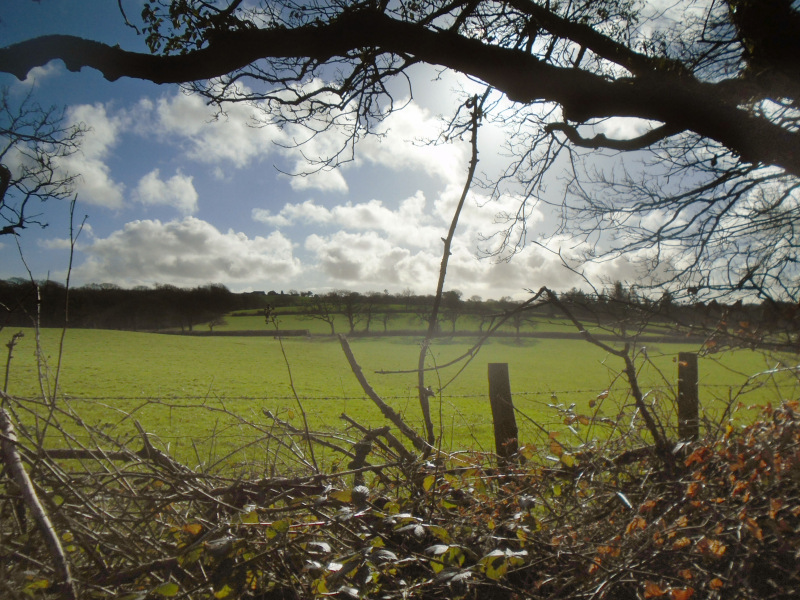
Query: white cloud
{"type": "Point", "coordinates": [178, 191]}
{"type": "Point", "coordinates": [624, 128]}
{"type": "Point", "coordinates": [364, 261]}
{"type": "Point", "coordinates": [236, 137]}
{"type": "Point", "coordinates": [38, 74]}
{"type": "Point", "coordinates": [188, 252]}
{"type": "Point", "coordinates": [95, 184]}
{"type": "Point", "coordinates": [373, 215]}
{"type": "Point", "coordinates": [404, 145]}
{"type": "Point", "coordinates": [84, 234]}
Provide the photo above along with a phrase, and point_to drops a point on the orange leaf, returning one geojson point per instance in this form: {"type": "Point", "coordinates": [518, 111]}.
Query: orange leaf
{"type": "Point", "coordinates": [681, 543]}
{"type": "Point", "coordinates": [610, 550]}
{"type": "Point", "coordinates": [712, 547]}
{"type": "Point", "coordinates": [739, 487]}
{"type": "Point", "coordinates": [653, 590]}
{"type": "Point", "coordinates": [698, 456]}
{"type": "Point", "coordinates": [775, 505]}
{"type": "Point", "coordinates": [647, 506]}
{"type": "Point", "coordinates": [686, 573]}
{"type": "Point", "coordinates": [692, 489]}
{"type": "Point", "coordinates": [715, 583]}
{"type": "Point", "coordinates": [636, 523]}
{"type": "Point", "coordinates": [594, 567]}
{"type": "Point", "coordinates": [193, 528]}
{"type": "Point", "coordinates": [681, 594]}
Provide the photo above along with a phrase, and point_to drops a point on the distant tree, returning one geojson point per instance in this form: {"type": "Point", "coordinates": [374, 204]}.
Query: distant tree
{"type": "Point", "coordinates": [371, 302]}
{"type": "Point", "coordinates": [387, 315]}
{"type": "Point", "coordinates": [518, 320]}
{"type": "Point", "coordinates": [218, 321]}
{"type": "Point", "coordinates": [452, 307]}
{"type": "Point", "coordinates": [324, 308]}
{"type": "Point", "coordinates": [480, 310]}
{"type": "Point", "coordinates": [352, 306]}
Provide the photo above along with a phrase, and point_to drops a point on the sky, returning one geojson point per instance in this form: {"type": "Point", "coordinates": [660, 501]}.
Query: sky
{"type": "Point", "coordinates": [173, 195]}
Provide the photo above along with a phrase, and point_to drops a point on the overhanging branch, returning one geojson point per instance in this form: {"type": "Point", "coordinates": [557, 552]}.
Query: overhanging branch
{"type": "Point", "coordinates": [680, 101]}
{"type": "Point", "coordinates": [601, 141]}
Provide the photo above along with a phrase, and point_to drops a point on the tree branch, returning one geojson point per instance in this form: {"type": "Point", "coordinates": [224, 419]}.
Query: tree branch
{"type": "Point", "coordinates": [681, 102]}
{"type": "Point", "coordinates": [12, 459]}
{"type": "Point", "coordinates": [601, 141]}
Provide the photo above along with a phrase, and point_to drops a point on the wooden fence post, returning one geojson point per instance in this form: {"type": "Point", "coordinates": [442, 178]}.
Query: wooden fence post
{"type": "Point", "coordinates": [505, 421]}
{"type": "Point", "coordinates": [688, 397]}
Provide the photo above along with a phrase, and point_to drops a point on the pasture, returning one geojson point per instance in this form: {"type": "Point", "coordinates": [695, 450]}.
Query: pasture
{"type": "Point", "coordinates": [195, 393]}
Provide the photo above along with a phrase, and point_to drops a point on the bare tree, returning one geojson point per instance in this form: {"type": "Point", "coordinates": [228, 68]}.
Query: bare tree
{"type": "Point", "coordinates": [453, 307]}
{"type": "Point", "coordinates": [324, 307]}
{"type": "Point", "coordinates": [32, 141]}
{"type": "Point", "coordinates": [351, 305]}
{"type": "Point", "coordinates": [711, 197]}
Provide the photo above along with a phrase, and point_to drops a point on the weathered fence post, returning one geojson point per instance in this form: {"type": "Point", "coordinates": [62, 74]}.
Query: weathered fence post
{"type": "Point", "coordinates": [505, 422]}
{"type": "Point", "coordinates": [688, 397]}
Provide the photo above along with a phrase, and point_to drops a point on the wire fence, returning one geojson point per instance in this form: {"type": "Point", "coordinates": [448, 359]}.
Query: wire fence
{"type": "Point", "coordinates": [588, 392]}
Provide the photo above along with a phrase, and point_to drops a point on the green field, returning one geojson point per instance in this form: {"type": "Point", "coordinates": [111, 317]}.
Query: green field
{"type": "Point", "coordinates": [399, 321]}
{"type": "Point", "coordinates": [177, 386]}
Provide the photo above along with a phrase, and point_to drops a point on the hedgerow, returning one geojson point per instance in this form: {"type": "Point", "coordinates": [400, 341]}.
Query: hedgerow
{"type": "Point", "coordinates": [720, 518]}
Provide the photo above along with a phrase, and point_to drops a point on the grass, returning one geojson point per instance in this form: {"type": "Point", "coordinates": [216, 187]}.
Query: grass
{"type": "Point", "coordinates": [176, 386]}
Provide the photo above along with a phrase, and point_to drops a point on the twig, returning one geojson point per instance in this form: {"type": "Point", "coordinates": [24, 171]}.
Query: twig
{"type": "Point", "coordinates": [393, 442]}
{"type": "Point", "coordinates": [387, 410]}
{"type": "Point", "coordinates": [10, 345]}
{"type": "Point", "coordinates": [297, 399]}
{"type": "Point", "coordinates": [475, 104]}
{"type": "Point", "coordinates": [12, 459]}
{"type": "Point", "coordinates": [659, 439]}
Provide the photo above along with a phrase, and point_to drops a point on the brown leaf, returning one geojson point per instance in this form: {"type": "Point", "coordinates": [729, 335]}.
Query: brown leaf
{"type": "Point", "coordinates": [653, 590]}
{"type": "Point", "coordinates": [636, 523]}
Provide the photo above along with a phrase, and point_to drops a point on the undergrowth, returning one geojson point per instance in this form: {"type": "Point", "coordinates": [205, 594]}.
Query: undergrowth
{"type": "Point", "coordinates": [716, 518]}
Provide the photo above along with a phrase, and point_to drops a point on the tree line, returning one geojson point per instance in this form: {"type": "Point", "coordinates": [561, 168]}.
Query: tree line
{"type": "Point", "coordinates": [109, 306]}
{"type": "Point", "coordinates": [165, 306]}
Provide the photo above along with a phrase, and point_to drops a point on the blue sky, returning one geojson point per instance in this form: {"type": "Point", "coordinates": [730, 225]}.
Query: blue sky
{"type": "Point", "coordinates": [174, 196]}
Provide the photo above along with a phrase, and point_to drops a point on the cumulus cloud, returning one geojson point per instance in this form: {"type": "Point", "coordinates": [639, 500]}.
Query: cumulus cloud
{"type": "Point", "coordinates": [188, 252]}
{"type": "Point", "coordinates": [95, 184]}
{"type": "Point", "coordinates": [178, 191]}
{"type": "Point", "coordinates": [374, 215]}
{"type": "Point", "coordinates": [38, 74]}
{"type": "Point", "coordinates": [367, 261]}
{"type": "Point", "coordinates": [237, 137]}
{"type": "Point", "coordinates": [404, 145]}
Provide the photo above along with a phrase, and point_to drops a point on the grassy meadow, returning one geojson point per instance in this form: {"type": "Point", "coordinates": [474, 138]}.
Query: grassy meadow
{"type": "Point", "coordinates": [179, 387]}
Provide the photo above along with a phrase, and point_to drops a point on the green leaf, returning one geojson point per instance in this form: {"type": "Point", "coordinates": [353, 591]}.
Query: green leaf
{"type": "Point", "coordinates": [168, 590]}
{"type": "Point", "coordinates": [342, 495]}
{"type": "Point", "coordinates": [278, 528]}
{"type": "Point", "coordinates": [250, 517]}
{"type": "Point", "coordinates": [440, 533]}
{"type": "Point", "coordinates": [38, 584]}
{"type": "Point", "coordinates": [428, 482]}
{"type": "Point", "coordinates": [223, 593]}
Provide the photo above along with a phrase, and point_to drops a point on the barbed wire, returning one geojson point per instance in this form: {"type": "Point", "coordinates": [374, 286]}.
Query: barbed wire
{"type": "Point", "coordinates": [206, 398]}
